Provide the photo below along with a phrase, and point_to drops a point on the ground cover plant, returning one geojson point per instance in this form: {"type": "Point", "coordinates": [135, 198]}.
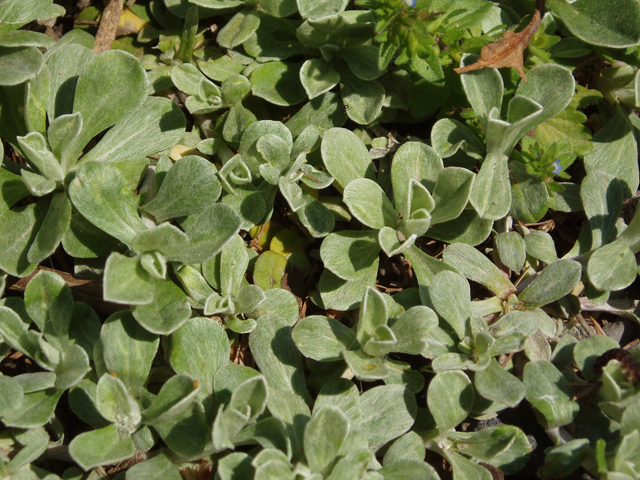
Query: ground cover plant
{"type": "Point", "coordinates": [304, 239]}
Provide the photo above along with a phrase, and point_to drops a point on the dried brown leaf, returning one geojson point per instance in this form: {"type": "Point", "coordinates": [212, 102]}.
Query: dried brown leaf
{"type": "Point", "coordinates": [506, 52]}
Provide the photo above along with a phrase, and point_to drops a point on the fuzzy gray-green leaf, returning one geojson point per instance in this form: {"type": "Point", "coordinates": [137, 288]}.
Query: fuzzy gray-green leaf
{"type": "Point", "coordinates": [553, 283]}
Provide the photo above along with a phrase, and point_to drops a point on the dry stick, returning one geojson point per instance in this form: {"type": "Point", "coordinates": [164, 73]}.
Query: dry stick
{"type": "Point", "coordinates": [108, 26]}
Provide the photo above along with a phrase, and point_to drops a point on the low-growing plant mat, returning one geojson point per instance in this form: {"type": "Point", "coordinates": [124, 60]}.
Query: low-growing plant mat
{"type": "Point", "coordinates": [307, 240]}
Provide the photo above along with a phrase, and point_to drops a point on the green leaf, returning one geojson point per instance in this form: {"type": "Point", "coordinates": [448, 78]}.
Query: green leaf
{"type": "Point", "coordinates": [529, 195]}
{"type": "Point", "coordinates": [209, 231]}
{"type": "Point", "coordinates": [12, 189]}
{"type": "Point", "coordinates": [249, 142]}
{"type": "Point", "coordinates": [601, 195]}
{"type": "Point", "coordinates": [550, 394]}
{"type": "Point", "coordinates": [553, 283]}
{"type": "Point", "coordinates": [322, 338]}
{"type": "Point", "coordinates": [73, 366]}
{"type": "Point", "coordinates": [348, 253]}
{"type": "Point", "coordinates": [154, 126]}
{"type": "Point", "coordinates": [450, 398]}
{"type": "Point", "coordinates": [553, 101]}
{"type": "Point", "coordinates": [451, 193]}
{"type": "Point", "coordinates": [512, 250]}
{"type": "Point", "coordinates": [190, 186]}
{"type": "Point", "coordinates": [38, 90]}
{"type": "Point", "coordinates": [364, 98]}
{"type": "Point", "coordinates": [449, 135]}
{"type": "Point", "coordinates": [450, 295]}
{"type": "Point", "coordinates": [25, 220]}
{"type": "Point", "coordinates": [156, 467]}
{"type": "Point", "coordinates": [240, 27]}
{"type": "Point", "coordinates": [345, 156]}
{"type": "Point", "coordinates": [411, 329]}
{"type": "Point", "coordinates": [317, 77]}
{"type": "Point", "coordinates": [615, 152]}
{"type": "Point", "coordinates": [19, 64]}
{"type": "Point", "coordinates": [278, 83]}
{"type": "Point", "coordinates": [279, 8]}
{"type": "Point", "coordinates": [249, 203]}
{"type": "Point", "coordinates": [126, 282]}
{"type": "Point", "coordinates": [198, 349]}
{"type": "Point", "coordinates": [36, 409]}
{"type": "Point", "coordinates": [410, 446]}
{"type": "Point", "coordinates": [315, 10]}
{"type": "Point", "coordinates": [484, 89]}
{"type": "Point", "coordinates": [164, 238]}
{"type": "Point", "coordinates": [498, 385]}
{"type": "Point", "coordinates": [406, 468]}
{"type": "Point", "coordinates": [49, 303]}
{"type": "Point", "coordinates": [277, 356]}
{"type": "Point", "coordinates": [169, 309]}
{"type": "Point", "coordinates": [369, 204]}
{"type": "Point", "coordinates": [478, 268]}
{"type": "Point", "coordinates": [325, 112]}
{"type": "Point", "coordinates": [101, 447]}
{"type": "Point", "coordinates": [121, 92]}
{"type": "Point", "coordinates": [562, 460]}
{"type": "Point", "coordinates": [116, 404]}
{"type": "Point", "coordinates": [491, 190]}
{"type": "Point", "coordinates": [54, 226]}
{"type": "Point", "coordinates": [103, 196]}
{"type": "Point", "coordinates": [387, 412]}
{"type": "Point", "coordinates": [234, 89]}
{"type": "Point", "coordinates": [234, 464]}
{"type": "Point", "coordinates": [601, 24]}
{"type": "Point", "coordinates": [504, 446]}
{"type": "Point", "coordinates": [174, 397]}
{"type": "Point", "coordinates": [363, 60]}
{"type": "Point", "coordinates": [316, 217]}
{"type": "Point", "coordinates": [341, 393]}
{"type": "Point", "coordinates": [65, 64]}
{"type": "Point", "coordinates": [338, 294]}
{"type": "Point", "coordinates": [187, 433]}
{"type": "Point", "coordinates": [540, 245]}
{"type": "Point", "coordinates": [247, 402]}
{"type": "Point", "coordinates": [373, 314]}
{"type": "Point", "coordinates": [612, 267]}
{"type": "Point", "coordinates": [127, 349]}
{"type": "Point", "coordinates": [35, 148]}
{"type": "Point", "coordinates": [275, 39]}
{"type": "Point", "coordinates": [323, 437]}
{"type": "Point", "coordinates": [365, 367]}
{"type": "Point", "coordinates": [11, 394]}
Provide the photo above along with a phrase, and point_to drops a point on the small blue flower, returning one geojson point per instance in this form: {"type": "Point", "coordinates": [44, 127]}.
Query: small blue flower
{"type": "Point", "coordinates": [411, 3]}
{"type": "Point", "coordinates": [558, 168]}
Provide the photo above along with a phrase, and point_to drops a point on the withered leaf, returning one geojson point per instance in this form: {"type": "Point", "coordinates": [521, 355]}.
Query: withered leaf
{"type": "Point", "coordinates": [506, 52]}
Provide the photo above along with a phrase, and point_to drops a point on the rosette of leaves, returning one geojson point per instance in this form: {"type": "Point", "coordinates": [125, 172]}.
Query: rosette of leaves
{"type": "Point", "coordinates": [127, 417]}
{"type": "Point", "coordinates": [204, 95]}
{"type": "Point", "coordinates": [188, 191]}
{"type": "Point", "coordinates": [236, 297]}
{"type": "Point", "coordinates": [424, 192]}
{"type": "Point", "coordinates": [495, 193]}
{"type": "Point", "coordinates": [269, 155]}
{"type": "Point", "coordinates": [365, 350]}
{"type": "Point", "coordinates": [49, 120]}
{"type": "Point", "coordinates": [336, 441]}
{"type": "Point", "coordinates": [61, 345]}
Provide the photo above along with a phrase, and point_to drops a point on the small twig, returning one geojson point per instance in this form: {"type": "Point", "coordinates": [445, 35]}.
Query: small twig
{"type": "Point", "coordinates": [108, 26]}
{"type": "Point", "coordinates": [506, 360]}
{"type": "Point", "coordinates": [587, 328]}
